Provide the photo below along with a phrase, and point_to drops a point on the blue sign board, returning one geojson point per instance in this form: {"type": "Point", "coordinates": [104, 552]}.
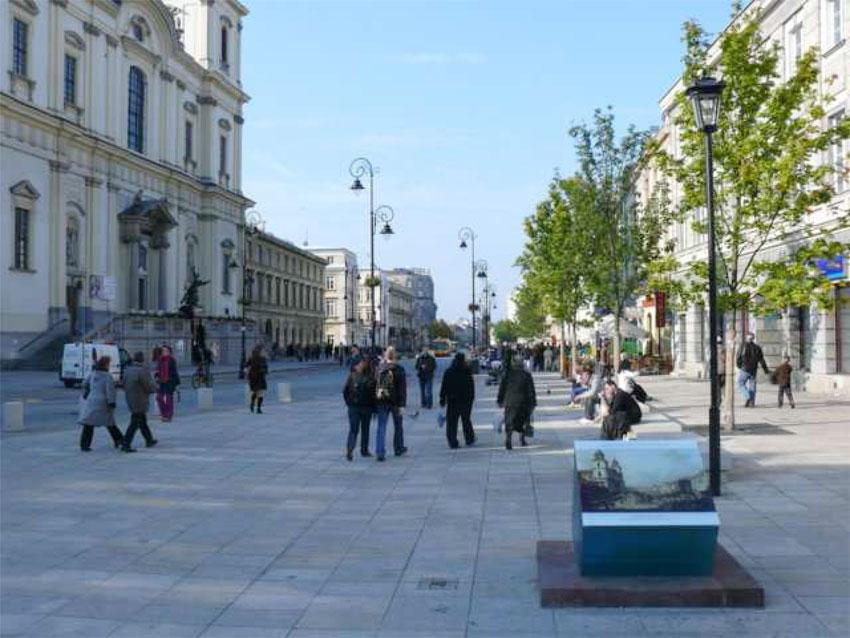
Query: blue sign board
{"type": "Point", "coordinates": [832, 269]}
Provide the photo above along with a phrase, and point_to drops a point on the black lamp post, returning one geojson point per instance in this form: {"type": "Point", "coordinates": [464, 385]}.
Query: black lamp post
{"type": "Point", "coordinates": [480, 268]}
{"type": "Point", "coordinates": [252, 225]}
{"type": "Point", "coordinates": [705, 96]}
{"type": "Point", "coordinates": [467, 240]}
{"type": "Point", "coordinates": [361, 167]}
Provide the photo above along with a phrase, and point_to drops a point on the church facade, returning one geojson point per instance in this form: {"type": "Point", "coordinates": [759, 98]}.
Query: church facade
{"type": "Point", "coordinates": [120, 164]}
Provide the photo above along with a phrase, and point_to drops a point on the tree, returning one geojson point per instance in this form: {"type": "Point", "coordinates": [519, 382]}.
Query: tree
{"type": "Point", "coordinates": [439, 329]}
{"type": "Point", "coordinates": [505, 331]}
{"type": "Point", "coordinates": [621, 243]}
{"type": "Point", "coordinates": [768, 179]}
{"type": "Point", "coordinates": [530, 317]}
{"type": "Point", "coordinates": [554, 260]}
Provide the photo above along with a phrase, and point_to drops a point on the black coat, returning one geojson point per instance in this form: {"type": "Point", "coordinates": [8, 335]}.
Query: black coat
{"type": "Point", "coordinates": [398, 392]}
{"type": "Point", "coordinates": [457, 386]}
{"type": "Point", "coordinates": [750, 357]}
{"type": "Point", "coordinates": [258, 368]}
{"type": "Point", "coordinates": [517, 396]}
{"type": "Point", "coordinates": [359, 390]}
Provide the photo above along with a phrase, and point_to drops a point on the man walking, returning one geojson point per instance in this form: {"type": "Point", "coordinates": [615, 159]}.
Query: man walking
{"type": "Point", "coordinates": [391, 397]}
{"type": "Point", "coordinates": [457, 392]}
{"type": "Point", "coordinates": [426, 364]}
{"type": "Point", "coordinates": [749, 359]}
{"type": "Point", "coordinates": [138, 386]}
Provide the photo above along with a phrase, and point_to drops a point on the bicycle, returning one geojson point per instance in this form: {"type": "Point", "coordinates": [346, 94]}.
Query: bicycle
{"type": "Point", "coordinates": [202, 376]}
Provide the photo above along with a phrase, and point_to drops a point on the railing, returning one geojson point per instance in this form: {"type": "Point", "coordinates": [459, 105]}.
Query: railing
{"type": "Point", "coordinates": [47, 335]}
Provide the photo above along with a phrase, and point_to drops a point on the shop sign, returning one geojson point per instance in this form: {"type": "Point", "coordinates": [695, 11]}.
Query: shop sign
{"type": "Point", "coordinates": [833, 269]}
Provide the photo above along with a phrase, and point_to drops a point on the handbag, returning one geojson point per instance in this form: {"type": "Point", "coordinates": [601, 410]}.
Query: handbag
{"type": "Point", "coordinates": [528, 431]}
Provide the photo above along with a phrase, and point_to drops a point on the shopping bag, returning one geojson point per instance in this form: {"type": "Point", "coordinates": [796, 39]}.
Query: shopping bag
{"type": "Point", "coordinates": [529, 428]}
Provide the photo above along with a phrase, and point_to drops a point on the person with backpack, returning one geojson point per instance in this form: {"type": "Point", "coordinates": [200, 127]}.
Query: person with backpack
{"type": "Point", "coordinates": [426, 364]}
{"type": "Point", "coordinates": [390, 398]}
{"type": "Point", "coordinates": [623, 412]}
{"type": "Point", "coordinates": [749, 359]}
{"type": "Point", "coordinates": [359, 396]}
{"type": "Point", "coordinates": [457, 393]}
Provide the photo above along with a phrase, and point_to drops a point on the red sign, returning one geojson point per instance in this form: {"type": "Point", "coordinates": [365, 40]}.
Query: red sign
{"type": "Point", "coordinates": [660, 309]}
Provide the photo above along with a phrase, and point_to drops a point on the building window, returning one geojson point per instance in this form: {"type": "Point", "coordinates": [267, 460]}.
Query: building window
{"type": "Point", "coordinates": [277, 291]}
{"type": "Point", "coordinates": [70, 79]}
{"type": "Point", "coordinates": [22, 239]}
{"type": "Point", "coordinates": [793, 45]}
{"type": "Point", "coordinates": [225, 271]}
{"type": "Point", "coordinates": [248, 286]}
{"type": "Point", "coordinates": [222, 155]}
{"type": "Point", "coordinates": [188, 140]}
{"type": "Point", "coordinates": [286, 293]}
{"type": "Point", "coordinates": [330, 282]}
{"type": "Point", "coordinates": [836, 155]}
{"type": "Point", "coordinates": [330, 307]}
{"type": "Point", "coordinates": [833, 8]}
{"type": "Point", "coordinates": [72, 244]}
{"type": "Point", "coordinates": [19, 46]}
{"type": "Point", "coordinates": [136, 110]}
{"type": "Point", "coordinates": [142, 277]}
{"type": "Point", "coordinates": [138, 32]}
{"type": "Point", "coordinates": [224, 45]}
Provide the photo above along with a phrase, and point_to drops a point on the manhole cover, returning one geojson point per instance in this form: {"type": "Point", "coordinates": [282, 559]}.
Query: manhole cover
{"type": "Point", "coordinates": [438, 584]}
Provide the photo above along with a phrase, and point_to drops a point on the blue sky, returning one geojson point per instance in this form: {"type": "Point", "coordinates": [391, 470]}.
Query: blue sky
{"type": "Point", "coordinates": [463, 106]}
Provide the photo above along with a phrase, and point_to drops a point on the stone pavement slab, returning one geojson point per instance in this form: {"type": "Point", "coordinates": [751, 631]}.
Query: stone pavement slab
{"type": "Point", "coordinates": [247, 525]}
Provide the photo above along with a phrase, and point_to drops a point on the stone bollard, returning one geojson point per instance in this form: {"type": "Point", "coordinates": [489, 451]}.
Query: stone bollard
{"type": "Point", "coordinates": [205, 398]}
{"type": "Point", "coordinates": [284, 392]}
{"type": "Point", "coordinates": [13, 415]}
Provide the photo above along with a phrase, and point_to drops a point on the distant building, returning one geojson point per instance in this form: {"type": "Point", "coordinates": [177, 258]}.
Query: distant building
{"type": "Point", "coordinates": [400, 316]}
{"type": "Point", "coordinates": [424, 309]}
{"type": "Point", "coordinates": [365, 290]}
{"type": "Point", "coordinates": [342, 321]}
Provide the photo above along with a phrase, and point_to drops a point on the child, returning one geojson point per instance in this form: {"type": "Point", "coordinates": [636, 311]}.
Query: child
{"type": "Point", "coordinates": [782, 377]}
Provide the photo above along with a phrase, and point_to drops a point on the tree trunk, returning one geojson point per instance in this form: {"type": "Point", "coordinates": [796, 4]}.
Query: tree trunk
{"type": "Point", "coordinates": [562, 360]}
{"type": "Point", "coordinates": [618, 340]}
{"type": "Point", "coordinates": [731, 339]}
{"type": "Point", "coordinates": [573, 348]}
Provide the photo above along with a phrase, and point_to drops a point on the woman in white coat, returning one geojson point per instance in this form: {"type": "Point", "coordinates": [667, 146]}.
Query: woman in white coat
{"type": "Point", "coordinates": [99, 407]}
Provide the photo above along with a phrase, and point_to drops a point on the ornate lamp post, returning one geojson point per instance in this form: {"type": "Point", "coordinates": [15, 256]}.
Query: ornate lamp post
{"type": "Point", "coordinates": [362, 167]}
{"type": "Point", "coordinates": [467, 240]}
{"type": "Point", "coordinates": [481, 273]}
{"type": "Point", "coordinates": [705, 96]}
{"type": "Point", "coordinates": [253, 224]}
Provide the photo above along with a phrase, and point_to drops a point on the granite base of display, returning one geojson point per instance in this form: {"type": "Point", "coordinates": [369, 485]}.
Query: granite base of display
{"type": "Point", "coordinates": [562, 585]}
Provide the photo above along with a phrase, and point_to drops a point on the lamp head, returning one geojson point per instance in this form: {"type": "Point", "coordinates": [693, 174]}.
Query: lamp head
{"type": "Point", "coordinates": [357, 186]}
{"type": "Point", "coordinates": [463, 244]}
{"type": "Point", "coordinates": [387, 230]}
{"type": "Point", "coordinates": [705, 98]}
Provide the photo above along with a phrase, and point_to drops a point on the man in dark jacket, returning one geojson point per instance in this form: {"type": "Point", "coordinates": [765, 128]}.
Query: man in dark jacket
{"type": "Point", "coordinates": [517, 396]}
{"type": "Point", "coordinates": [749, 359]}
{"type": "Point", "coordinates": [359, 396]}
{"type": "Point", "coordinates": [426, 364]}
{"type": "Point", "coordinates": [391, 398]}
{"type": "Point", "coordinates": [138, 387]}
{"type": "Point", "coordinates": [457, 392]}
{"type": "Point", "coordinates": [623, 412]}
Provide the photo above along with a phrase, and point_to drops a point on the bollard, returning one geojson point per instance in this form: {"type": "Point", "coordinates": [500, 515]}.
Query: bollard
{"type": "Point", "coordinates": [13, 415]}
{"type": "Point", "coordinates": [284, 392]}
{"type": "Point", "coordinates": [205, 398]}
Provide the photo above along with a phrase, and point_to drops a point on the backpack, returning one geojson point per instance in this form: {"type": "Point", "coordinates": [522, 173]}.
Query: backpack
{"type": "Point", "coordinates": [386, 383]}
{"type": "Point", "coordinates": [359, 390]}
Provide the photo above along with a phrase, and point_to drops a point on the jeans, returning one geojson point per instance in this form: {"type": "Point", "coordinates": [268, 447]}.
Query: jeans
{"type": "Point", "coordinates": [384, 412]}
{"type": "Point", "coordinates": [577, 391]}
{"type": "Point", "coordinates": [747, 385]}
{"type": "Point", "coordinates": [426, 392]}
{"type": "Point", "coordinates": [785, 390]}
{"type": "Point", "coordinates": [590, 404]}
{"type": "Point", "coordinates": [358, 421]}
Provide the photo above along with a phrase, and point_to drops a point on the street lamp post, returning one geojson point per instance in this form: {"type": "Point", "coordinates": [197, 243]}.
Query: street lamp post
{"type": "Point", "coordinates": [705, 96]}
{"type": "Point", "coordinates": [467, 239]}
{"type": "Point", "coordinates": [480, 269]}
{"type": "Point", "coordinates": [361, 167]}
{"type": "Point", "coordinates": [253, 223]}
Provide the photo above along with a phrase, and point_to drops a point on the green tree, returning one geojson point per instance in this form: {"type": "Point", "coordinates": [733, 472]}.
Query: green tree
{"type": "Point", "coordinates": [530, 317]}
{"type": "Point", "coordinates": [621, 243]}
{"type": "Point", "coordinates": [768, 178]}
{"type": "Point", "coordinates": [554, 260]}
{"type": "Point", "coordinates": [439, 329]}
{"type": "Point", "coordinates": [505, 331]}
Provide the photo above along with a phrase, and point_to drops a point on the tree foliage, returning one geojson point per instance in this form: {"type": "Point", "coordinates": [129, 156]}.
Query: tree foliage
{"type": "Point", "coordinates": [506, 331]}
{"type": "Point", "coordinates": [439, 329]}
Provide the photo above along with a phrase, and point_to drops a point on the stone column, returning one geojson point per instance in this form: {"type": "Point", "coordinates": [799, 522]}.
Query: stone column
{"type": "Point", "coordinates": [56, 240]}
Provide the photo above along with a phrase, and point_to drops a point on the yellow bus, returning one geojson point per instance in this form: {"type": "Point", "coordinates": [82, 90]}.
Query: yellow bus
{"type": "Point", "coordinates": [442, 347]}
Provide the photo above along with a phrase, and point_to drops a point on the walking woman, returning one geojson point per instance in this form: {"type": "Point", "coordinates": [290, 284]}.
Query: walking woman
{"type": "Point", "coordinates": [97, 411]}
{"type": "Point", "coordinates": [168, 379]}
{"type": "Point", "coordinates": [258, 368]}
{"type": "Point", "coordinates": [518, 398]}
{"type": "Point", "coordinates": [359, 395]}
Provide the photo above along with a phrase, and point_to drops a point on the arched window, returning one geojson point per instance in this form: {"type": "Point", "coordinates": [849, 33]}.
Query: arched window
{"type": "Point", "coordinates": [138, 32]}
{"type": "Point", "coordinates": [136, 110]}
{"type": "Point", "coordinates": [72, 243]}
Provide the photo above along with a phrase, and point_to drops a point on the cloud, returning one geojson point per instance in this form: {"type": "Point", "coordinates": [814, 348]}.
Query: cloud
{"type": "Point", "coordinates": [438, 58]}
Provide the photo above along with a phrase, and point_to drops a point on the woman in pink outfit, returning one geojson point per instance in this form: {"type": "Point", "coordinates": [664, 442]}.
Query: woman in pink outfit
{"type": "Point", "coordinates": [167, 379]}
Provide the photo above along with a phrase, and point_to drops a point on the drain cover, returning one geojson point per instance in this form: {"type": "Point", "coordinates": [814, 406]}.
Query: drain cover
{"type": "Point", "coordinates": [438, 584]}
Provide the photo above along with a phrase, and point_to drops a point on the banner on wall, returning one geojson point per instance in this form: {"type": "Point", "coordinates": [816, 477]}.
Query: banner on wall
{"type": "Point", "coordinates": [833, 269]}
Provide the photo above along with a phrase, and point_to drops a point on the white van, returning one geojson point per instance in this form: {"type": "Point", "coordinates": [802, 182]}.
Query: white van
{"type": "Point", "coordinates": [78, 359]}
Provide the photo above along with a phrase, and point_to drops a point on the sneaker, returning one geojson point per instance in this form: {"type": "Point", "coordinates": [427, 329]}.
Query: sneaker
{"type": "Point", "coordinates": [152, 443]}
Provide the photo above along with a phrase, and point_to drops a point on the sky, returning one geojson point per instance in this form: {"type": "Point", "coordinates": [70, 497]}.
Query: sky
{"type": "Point", "coordinates": [463, 108]}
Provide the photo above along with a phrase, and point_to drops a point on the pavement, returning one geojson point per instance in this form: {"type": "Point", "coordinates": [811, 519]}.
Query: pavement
{"type": "Point", "coordinates": [255, 525]}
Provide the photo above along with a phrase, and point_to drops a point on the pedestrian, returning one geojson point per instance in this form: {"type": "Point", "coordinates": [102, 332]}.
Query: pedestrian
{"type": "Point", "coordinates": [623, 412]}
{"type": "Point", "coordinates": [99, 406]}
{"type": "Point", "coordinates": [457, 393]}
{"type": "Point", "coordinates": [354, 358]}
{"type": "Point", "coordinates": [591, 398]}
{"type": "Point", "coordinates": [782, 377]}
{"type": "Point", "coordinates": [548, 357]}
{"type": "Point", "coordinates": [518, 398]}
{"type": "Point", "coordinates": [138, 386]}
{"type": "Point", "coordinates": [390, 399]}
{"type": "Point", "coordinates": [426, 365]}
{"type": "Point", "coordinates": [749, 359]}
{"type": "Point", "coordinates": [359, 396]}
{"type": "Point", "coordinates": [169, 380]}
{"type": "Point", "coordinates": [257, 369]}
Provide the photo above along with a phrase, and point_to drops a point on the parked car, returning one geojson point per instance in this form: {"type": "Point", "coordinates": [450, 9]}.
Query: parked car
{"type": "Point", "coordinates": [78, 359]}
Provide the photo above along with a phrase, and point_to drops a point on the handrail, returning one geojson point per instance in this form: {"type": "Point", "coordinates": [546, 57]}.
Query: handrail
{"type": "Point", "coordinates": [43, 334]}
